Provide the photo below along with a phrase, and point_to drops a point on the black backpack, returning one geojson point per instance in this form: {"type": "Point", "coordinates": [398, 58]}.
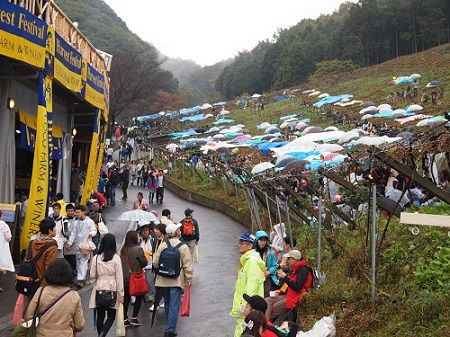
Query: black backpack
{"type": "Point", "coordinates": [27, 279]}
{"type": "Point", "coordinates": [169, 261]}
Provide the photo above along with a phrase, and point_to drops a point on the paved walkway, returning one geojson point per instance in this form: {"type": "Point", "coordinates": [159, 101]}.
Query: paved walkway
{"type": "Point", "coordinates": [214, 275]}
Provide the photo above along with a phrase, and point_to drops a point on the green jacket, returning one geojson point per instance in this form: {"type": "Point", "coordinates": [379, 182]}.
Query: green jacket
{"type": "Point", "coordinates": [250, 281]}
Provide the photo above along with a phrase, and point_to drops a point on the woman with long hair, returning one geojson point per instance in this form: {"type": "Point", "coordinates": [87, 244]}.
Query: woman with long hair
{"type": "Point", "coordinates": [108, 292]}
{"type": "Point", "coordinates": [133, 260]}
{"type": "Point", "coordinates": [262, 246]}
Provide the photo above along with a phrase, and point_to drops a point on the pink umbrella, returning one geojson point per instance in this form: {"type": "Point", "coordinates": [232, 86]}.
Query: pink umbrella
{"type": "Point", "coordinates": [330, 156]}
{"type": "Point", "coordinates": [243, 138]}
{"type": "Point", "coordinates": [301, 126]}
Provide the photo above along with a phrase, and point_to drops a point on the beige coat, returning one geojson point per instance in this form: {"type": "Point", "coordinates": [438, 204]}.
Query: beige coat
{"type": "Point", "coordinates": [107, 276]}
{"type": "Point", "coordinates": [63, 319]}
{"type": "Point", "coordinates": [186, 266]}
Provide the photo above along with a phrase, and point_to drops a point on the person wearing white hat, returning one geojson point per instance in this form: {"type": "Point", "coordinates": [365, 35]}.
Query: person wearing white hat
{"type": "Point", "coordinates": [298, 280]}
{"type": "Point", "coordinates": [172, 284]}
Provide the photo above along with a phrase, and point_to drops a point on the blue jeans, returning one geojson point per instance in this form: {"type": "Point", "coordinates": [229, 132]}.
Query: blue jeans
{"type": "Point", "coordinates": [172, 299]}
{"type": "Point", "coordinates": [113, 195]}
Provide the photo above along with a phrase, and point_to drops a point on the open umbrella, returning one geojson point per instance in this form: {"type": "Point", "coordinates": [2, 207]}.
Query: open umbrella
{"type": "Point", "coordinates": [384, 106]}
{"type": "Point", "coordinates": [224, 112]}
{"type": "Point", "coordinates": [261, 167]}
{"type": "Point", "coordinates": [296, 164]}
{"type": "Point", "coordinates": [414, 108]}
{"type": "Point", "coordinates": [415, 76]}
{"type": "Point", "coordinates": [206, 106]}
{"type": "Point", "coordinates": [311, 129]}
{"type": "Point", "coordinates": [285, 161]}
{"type": "Point", "coordinates": [139, 216]}
{"type": "Point", "coordinates": [366, 104]}
{"type": "Point", "coordinates": [331, 128]}
{"type": "Point", "coordinates": [256, 96]}
{"type": "Point", "coordinates": [348, 137]}
{"type": "Point", "coordinates": [300, 126]}
{"type": "Point", "coordinates": [434, 84]}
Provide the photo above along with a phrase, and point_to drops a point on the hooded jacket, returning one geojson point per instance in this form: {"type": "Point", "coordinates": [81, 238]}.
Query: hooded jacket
{"type": "Point", "coordinates": [299, 281]}
{"type": "Point", "coordinates": [270, 258]}
{"type": "Point", "coordinates": [250, 281]}
{"type": "Point", "coordinates": [50, 255]}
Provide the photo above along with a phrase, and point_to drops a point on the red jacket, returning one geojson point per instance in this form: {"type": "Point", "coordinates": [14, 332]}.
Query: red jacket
{"type": "Point", "coordinates": [294, 296]}
{"type": "Point", "coordinates": [268, 333]}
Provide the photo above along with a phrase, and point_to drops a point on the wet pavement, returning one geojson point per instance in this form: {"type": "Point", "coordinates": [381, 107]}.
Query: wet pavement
{"type": "Point", "coordinates": [214, 275]}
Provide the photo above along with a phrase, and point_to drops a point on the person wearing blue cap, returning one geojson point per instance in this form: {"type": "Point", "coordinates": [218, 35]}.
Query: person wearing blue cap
{"type": "Point", "coordinates": [262, 246]}
{"type": "Point", "coordinates": [250, 279]}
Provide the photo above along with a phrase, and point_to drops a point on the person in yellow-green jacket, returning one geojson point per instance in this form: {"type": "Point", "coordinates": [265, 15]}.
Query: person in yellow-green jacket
{"type": "Point", "coordinates": [250, 279]}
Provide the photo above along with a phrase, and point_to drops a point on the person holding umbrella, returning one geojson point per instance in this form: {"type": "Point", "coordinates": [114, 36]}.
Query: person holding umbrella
{"type": "Point", "coordinates": [171, 282]}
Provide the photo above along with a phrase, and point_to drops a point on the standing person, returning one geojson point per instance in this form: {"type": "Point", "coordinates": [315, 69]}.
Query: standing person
{"type": "Point", "coordinates": [133, 260]}
{"type": "Point", "coordinates": [147, 242]}
{"type": "Point", "coordinates": [106, 270]}
{"type": "Point", "coordinates": [130, 151]}
{"type": "Point", "coordinates": [262, 246]}
{"type": "Point", "coordinates": [145, 174]}
{"type": "Point", "coordinates": [44, 242]}
{"type": "Point", "coordinates": [96, 216]}
{"type": "Point", "coordinates": [133, 172]}
{"type": "Point", "coordinates": [160, 186]}
{"type": "Point", "coordinates": [139, 173]}
{"type": "Point", "coordinates": [189, 230]}
{"type": "Point", "coordinates": [173, 286]}
{"type": "Point", "coordinates": [6, 262]}
{"type": "Point", "coordinates": [160, 236]}
{"type": "Point", "coordinates": [60, 309]}
{"type": "Point", "coordinates": [81, 237]}
{"type": "Point", "coordinates": [109, 153]}
{"type": "Point", "coordinates": [141, 203]}
{"type": "Point", "coordinates": [61, 225]}
{"type": "Point", "coordinates": [75, 185]}
{"type": "Point", "coordinates": [250, 279]}
{"type": "Point", "coordinates": [114, 178]}
{"type": "Point", "coordinates": [70, 253]}
{"type": "Point", "coordinates": [166, 217]}
{"type": "Point", "coordinates": [102, 184]}
{"type": "Point", "coordinates": [298, 281]}
{"type": "Point", "coordinates": [60, 200]}
{"type": "Point", "coordinates": [152, 186]}
{"type": "Point", "coordinates": [125, 180]}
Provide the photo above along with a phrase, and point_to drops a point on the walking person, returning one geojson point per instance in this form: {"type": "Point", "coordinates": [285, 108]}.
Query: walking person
{"type": "Point", "coordinates": [96, 216]}
{"type": "Point", "coordinates": [147, 242]}
{"type": "Point", "coordinates": [6, 261]}
{"type": "Point", "coordinates": [152, 186]}
{"type": "Point", "coordinates": [81, 238]}
{"type": "Point", "coordinates": [181, 275]}
{"type": "Point", "coordinates": [141, 203]}
{"type": "Point", "coordinates": [133, 172]}
{"type": "Point", "coordinates": [114, 178]}
{"type": "Point", "coordinates": [166, 217]}
{"type": "Point", "coordinates": [190, 233]}
{"type": "Point", "coordinates": [250, 279]}
{"type": "Point", "coordinates": [70, 253]}
{"type": "Point", "coordinates": [133, 260]}
{"type": "Point", "coordinates": [262, 246]}
{"type": "Point", "coordinates": [160, 186]}
{"type": "Point", "coordinates": [125, 180]}
{"type": "Point", "coordinates": [59, 307]}
{"type": "Point", "coordinates": [108, 290]}
{"type": "Point", "coordinates": [61, 224]}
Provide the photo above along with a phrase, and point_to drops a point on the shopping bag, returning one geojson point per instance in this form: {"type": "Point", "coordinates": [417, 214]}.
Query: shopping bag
{"type": "Point", "coordinates": [18, 309]}
{"type": "Point", "coordinates": [196, 254]}
{"type": "Point", "coordinates": [186, 304]}
{"type": "Point", "coordinates": [138, 284]}
{"type": "Point", "coordinates": [120, 331]}
{"type": "Point", "coordinates": [102, 229]}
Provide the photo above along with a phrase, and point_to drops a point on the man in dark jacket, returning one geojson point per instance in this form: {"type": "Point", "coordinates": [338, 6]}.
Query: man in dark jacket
{"type": "Point", "coordinates": [125, 182]}
{"type": "Point", "coordinates": [189, 230]}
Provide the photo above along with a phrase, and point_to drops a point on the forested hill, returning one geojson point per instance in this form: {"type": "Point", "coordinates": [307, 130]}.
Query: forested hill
{"type": "Point", "coordinates": [362, 34]}
{"type": "Point", "coordinates": [132, 57]}
{"type": "Point", "coordinates": [195, 82]}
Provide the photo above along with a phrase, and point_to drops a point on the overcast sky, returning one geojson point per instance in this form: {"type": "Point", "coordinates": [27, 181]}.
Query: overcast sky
{"type": "Point", "coordinates": [208, 31]}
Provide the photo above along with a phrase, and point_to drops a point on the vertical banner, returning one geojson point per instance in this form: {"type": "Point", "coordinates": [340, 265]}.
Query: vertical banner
{"type": "Point", "coordinates": [101, 151]}
{"type": "Point", "coordinates": [37, 203]}
{"type": "Point", "coordinates": [91, 176]}
{"type": "Point", "coordinates": [48, 82]}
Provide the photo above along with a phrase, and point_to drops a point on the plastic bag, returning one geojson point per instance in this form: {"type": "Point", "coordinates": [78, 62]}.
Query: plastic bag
{"type": "Point", "coordinates": [196, 254]}
{"type": "Point", "coordinates": [186, 304]}
{"type": "Point", "coordinates": [102, 229]}
{"type": "Point", "coordinates": [18, 309]}
{"type": "Point", "coordinates": [325, 327]}
{"type": "Point", "coordinates": [120, 331]}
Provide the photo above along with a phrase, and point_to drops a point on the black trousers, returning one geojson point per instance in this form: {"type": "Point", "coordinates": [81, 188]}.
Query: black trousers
{"type": "Point", "coordinates": [126, 303]}
{"type": "Point", "coordinates": [102, 325]}
{"type": "Point", "coordinates": [160, 194]}
{"type": "Point", "coordinates": [72, 261]}
{"type": "Point", "coordinates": [124, 190]}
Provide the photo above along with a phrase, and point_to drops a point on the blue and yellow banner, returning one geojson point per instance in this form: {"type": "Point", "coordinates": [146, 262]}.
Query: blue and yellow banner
{"type": "Point", "coordinates": [94, 90]}
{"type": "Point", "coordinates": [27, 127]}
{"type": "Point", "coordinates": [91, 175]}
{"type": "Point", "coordinates": [22, 35]}
{"type": "Point", "coordinates": [68, 63]}
{"type": "Point", "coordinates": [37, 202]}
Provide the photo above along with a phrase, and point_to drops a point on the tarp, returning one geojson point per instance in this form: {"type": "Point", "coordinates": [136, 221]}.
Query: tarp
{"type": "Point", "coordinates": [223, 121]}
{"type": "Point", "coordinates": [182, 134]}
{"type": "Point", "coordinates": [332, 100]}
{"type": "Point", "coordinates": [267, 146]}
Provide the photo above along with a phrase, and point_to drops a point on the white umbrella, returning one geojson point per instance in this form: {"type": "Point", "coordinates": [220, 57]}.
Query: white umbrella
{"type": "Point", "coordinates": [323, 95]}
{"type": "Point", "coordinates": [329, 148]}
{"type": "Point", "coordinates": [139, 216]}
{"type": "Point", "coordinates": [369, 110]}
{"type": "Point", "coordinates": [315, 93]}
{"type": "Point", "coordinates": [172, 146]}
{"type": "Point", "coordinates": [224, 112]}
{"type": "Point", "coordinates": [414, 107]}
{"type": "Point", "coordinates": [415, 76]}
{"type": "Point", "coordinates": [206, 106]}
{"type": "Point", "coordinates": [331, 128]}
{"type": "Point", "coordinates": [261, 167]}
{"type": "Point", "coordinates": [256, 96]}
{"type": "Point", "coordinates": [384, 106]}
{"type": "Point", "coordinates": [349, 136]}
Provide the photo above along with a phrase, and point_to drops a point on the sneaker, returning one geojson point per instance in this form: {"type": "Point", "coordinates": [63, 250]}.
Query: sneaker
{"type": "Point", "coordinates": [152, 308]}
{"type": "Point", "coordinates": [135, 321]}
{"type": "Point", "coordinates": [127, 323]}
{"type": "Point", "coordinates": [133, 299]}
{"type": "Point", "coordinates": [170, 334]}
{"type": "Point", "coordinates": [161, 305]}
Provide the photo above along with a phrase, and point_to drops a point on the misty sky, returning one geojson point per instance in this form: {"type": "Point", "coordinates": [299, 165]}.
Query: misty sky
{"type": "Point", "coordinates": [210, 31]}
